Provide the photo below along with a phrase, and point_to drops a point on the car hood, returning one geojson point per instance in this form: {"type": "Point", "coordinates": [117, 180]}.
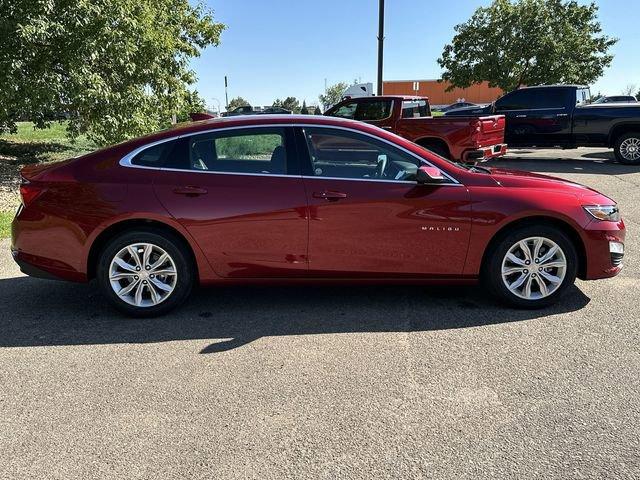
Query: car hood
{"type": "Point", "coordinates": [520, 179]}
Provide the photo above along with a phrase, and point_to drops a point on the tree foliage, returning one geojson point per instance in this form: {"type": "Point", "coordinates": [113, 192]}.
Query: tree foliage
{"type": "Point", "coordinates": [317, 111]}
{"type": "Point", "coordinates": [291, 103]}
{"type": "Point", "coordinates": [236, 102]}
{"type": "Point", "coordinates": [193, 103]}
{"type": "Point", "coordinates": [332, 94]}
{"type": "Point", "coordinates": [528, 42]}
{"type": "Point", "coordinates": [116, 68]}
{"type": "Point", "coordinates": [304, 110]}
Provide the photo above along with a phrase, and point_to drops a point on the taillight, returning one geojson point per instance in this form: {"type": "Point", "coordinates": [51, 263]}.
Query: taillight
{"type": "Point", "coordinates": [29, 191]}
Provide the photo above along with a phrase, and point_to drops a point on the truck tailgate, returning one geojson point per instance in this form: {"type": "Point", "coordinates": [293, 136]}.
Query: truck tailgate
{"type": "Point", "coordinates": [491, 130]}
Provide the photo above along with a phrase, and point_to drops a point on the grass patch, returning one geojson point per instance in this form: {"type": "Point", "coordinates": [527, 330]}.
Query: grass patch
{"type": "Point", "coordinates": [437, 114]}
{"type": "Point", "coordinates": [5, 224]}
{"type": "Point", "coordinates": [29, 145]}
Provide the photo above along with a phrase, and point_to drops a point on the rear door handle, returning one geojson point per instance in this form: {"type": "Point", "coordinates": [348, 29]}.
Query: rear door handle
{"type": "Point", "coordinates": [521, 116]}
{"type": "Point", "coordinates": [190, 191]}
{"type": "Point", "coordinates": [329, 195]}
{"type": "Point", "coordinates": [562, 115]}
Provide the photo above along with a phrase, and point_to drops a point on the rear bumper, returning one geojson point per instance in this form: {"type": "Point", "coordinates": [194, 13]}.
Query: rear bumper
{"type": "Point", "coordinates": [39, 267]}
{"type": "Point", "coordinates": [485, 153]}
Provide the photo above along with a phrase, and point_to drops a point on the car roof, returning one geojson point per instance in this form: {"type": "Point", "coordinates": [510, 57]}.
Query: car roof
{"type": "Point", "coordinates": [555, 86]}
{"type": "Point", "coordinates": [190, 128]}
{"type": "Point", "coordinates": [389, 97]}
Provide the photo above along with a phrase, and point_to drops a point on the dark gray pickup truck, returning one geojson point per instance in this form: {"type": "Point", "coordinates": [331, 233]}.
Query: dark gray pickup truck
{"type": "Point", "coordinates": [562, 116]}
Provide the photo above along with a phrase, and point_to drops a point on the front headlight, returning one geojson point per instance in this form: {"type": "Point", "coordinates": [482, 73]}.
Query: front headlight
{"type": "Point", "coordinates": [608, 213]}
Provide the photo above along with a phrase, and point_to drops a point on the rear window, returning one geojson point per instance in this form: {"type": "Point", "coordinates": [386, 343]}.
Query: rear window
{"type": "Point", "coordinates": [153, 156]}
{"type": "Point", "coordinates": [415, 109]}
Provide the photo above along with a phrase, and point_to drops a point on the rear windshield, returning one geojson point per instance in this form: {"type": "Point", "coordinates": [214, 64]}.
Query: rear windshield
{"type": "Point", "coordinates": [415, 109]}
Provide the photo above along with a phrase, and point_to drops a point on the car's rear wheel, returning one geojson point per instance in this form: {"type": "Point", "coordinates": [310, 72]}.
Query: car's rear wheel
{"type": "Point", "coordinates": [627, 148]}
{"type": "Point", "coordinates": [531, 267]}
{"type": "Point", "coordinates": [145, 273]}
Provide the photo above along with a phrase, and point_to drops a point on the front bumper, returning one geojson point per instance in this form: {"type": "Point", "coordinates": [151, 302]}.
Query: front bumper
{"type": "Point", "coordinates": [604, 247]}
{"type": "Point", "coordinates": [485, 153]}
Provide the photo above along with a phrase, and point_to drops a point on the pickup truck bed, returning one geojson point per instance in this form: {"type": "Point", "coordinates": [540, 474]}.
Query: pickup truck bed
{"type": "Point", "coordinates": [464, 139]}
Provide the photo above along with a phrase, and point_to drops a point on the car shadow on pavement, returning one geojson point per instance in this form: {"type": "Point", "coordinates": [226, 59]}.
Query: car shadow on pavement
{"type": "Point", "coordinates": [47, 313]}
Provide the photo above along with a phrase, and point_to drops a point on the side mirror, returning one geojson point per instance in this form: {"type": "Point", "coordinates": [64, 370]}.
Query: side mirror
{"type": "Point", "coordinates": [429, 175]}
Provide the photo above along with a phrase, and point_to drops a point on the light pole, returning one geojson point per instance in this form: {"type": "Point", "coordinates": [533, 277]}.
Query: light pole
{"type": "Point", "coordinates": [226, 95]}
{"type": "Point", "coordinates": [218, 102]}
{"type": "Point", "coordinates": [380, 43]}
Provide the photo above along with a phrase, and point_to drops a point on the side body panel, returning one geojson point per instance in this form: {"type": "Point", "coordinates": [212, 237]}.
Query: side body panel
{"type": "Point", "coordinates": [387, 229]}
{"type": "Point", "coordinates": [246, 225]}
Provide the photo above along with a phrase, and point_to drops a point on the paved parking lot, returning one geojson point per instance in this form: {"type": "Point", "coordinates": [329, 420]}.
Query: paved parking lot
{"type": "Point", "coordinates": [330, 382]}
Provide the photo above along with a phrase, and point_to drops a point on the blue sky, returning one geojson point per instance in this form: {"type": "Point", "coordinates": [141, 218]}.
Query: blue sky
{"type": "Point", "coordinates": [278, 48]}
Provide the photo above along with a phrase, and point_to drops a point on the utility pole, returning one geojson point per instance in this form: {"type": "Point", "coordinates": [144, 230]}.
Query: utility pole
{"type": "Point", "coordinates": [226, 95]}
{"type": "Point", "coordinates": [380, 44]}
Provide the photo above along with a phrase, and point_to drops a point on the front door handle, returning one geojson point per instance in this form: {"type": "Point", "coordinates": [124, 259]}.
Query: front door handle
{"type": "Point", "coordinates": [190, 191]}
{"type": "Point", "coordinates": [562, 115]}
{"type": "Point", "coordinates": [329, 195]}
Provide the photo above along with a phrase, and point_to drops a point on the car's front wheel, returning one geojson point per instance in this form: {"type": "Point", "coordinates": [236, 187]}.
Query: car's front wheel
{"type": "Point", "coordinates": [145, 273]}
{"type": "Point", "coordinates": [531, 267]}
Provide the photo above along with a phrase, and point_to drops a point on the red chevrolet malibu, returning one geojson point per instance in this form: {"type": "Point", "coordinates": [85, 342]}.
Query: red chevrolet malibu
{"type": "Point", "coordinates": [304, 198]}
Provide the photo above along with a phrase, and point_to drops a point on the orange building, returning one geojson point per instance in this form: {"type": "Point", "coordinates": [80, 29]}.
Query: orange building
{"type": "Point", "coordinates": [436, 91]}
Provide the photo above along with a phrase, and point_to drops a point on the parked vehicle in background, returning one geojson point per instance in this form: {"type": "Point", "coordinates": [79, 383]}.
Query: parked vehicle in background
{"type": "Point", "coordinates": [258, 199]}
{"type": "Point", "coordinates": [358, 90]}
{"type": "Point", "coordinates": [249, 110]}
{"type": "Point", "coordinates": [562, 116]}
{"type": "Point", "coordinates": [457, 105]}
{"type": "Point", "coordinates": [617, 99]}
{"type": "Point", "coordinates": [468, 140]}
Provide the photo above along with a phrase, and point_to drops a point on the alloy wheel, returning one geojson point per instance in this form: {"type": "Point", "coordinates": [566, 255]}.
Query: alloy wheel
{"type": "Point", "coordinates": [630, 149]}
{"type": "Point", "coordinates": [143, 275]}
{"type": "Point", "coordinates": [534, 268]}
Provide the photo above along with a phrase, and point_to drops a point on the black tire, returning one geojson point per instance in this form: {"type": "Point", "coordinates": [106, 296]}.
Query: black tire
{"type": "Point", "coordinates": [491, 275]}
{"type": "Point", "coordinates": [620, 156]}
{"type": "Point", "coordinates": [173, 246]}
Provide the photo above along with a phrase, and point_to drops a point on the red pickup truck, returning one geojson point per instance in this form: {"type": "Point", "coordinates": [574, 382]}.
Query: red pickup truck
{"type": "Point", "coordinates": [462, 139]}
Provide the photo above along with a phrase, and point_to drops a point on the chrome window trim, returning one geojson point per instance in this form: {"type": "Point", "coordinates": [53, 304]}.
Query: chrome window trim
{"type": "Point", "coordinates": [126, 160]}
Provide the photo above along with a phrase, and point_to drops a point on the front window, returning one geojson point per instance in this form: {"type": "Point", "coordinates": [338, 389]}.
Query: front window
{"type": "Point", "coordinates": [349, 155]}
{"type": "Point", "coordinates": [583, 96]}
{"type": "Point", "coordinates": [346, 111]}
{"type": "Point", "coordinates": [240, 151]}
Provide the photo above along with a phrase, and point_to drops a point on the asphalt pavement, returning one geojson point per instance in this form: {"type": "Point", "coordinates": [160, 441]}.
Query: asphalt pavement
{"type": "Point", "coordinates": [330, 382]}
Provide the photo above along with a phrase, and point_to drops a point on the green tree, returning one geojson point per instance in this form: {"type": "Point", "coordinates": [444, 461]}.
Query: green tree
{"type": "Point", "coordinates": [317, 111]}
{"type": "Point", "coordinates": [193, 103]}
{"type": "Point", "coordinates": [118, 68]}
{"type": "Point", "coordinates": [236, 102]}
{"type": "Point", "coordinates": [291, 103]}
{"type": "Point", "coordinates": [332, 94]}
{"type": "Point", "coordinates": [528, 42]}
{"type": "Point", "coordinates": [304, 110]}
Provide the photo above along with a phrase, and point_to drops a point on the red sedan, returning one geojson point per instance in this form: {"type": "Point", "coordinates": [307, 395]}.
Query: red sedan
{"type": "Point", "coordinates": [304, 198]}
